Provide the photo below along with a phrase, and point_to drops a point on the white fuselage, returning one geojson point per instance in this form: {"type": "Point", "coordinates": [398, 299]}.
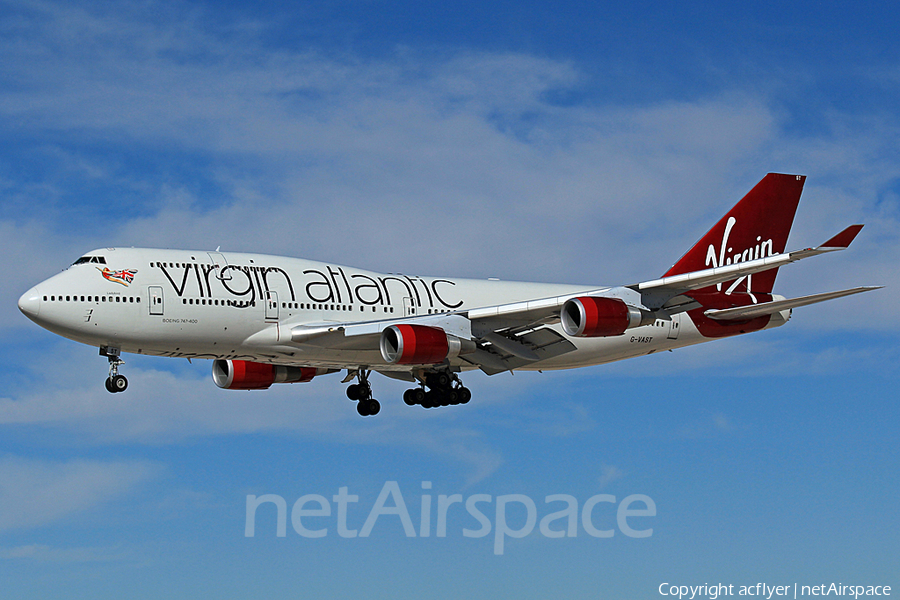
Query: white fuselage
{"type": "Point", "coordinates": [242, 306]}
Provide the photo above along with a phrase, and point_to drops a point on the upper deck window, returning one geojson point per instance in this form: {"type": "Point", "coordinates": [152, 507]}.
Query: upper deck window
{"type": "Point", "coordinates": [90, 259]}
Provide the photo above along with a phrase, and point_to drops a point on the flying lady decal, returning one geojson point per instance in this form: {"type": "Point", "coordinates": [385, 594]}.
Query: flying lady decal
{"type": "Point", "coordinates": [123, 277]}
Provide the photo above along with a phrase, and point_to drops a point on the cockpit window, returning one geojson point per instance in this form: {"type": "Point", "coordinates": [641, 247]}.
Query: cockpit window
{"type": "Point", "coordinates": [90, 259]}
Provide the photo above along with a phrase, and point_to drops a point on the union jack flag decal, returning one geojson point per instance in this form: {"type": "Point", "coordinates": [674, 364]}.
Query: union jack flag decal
{"type": "Point", "coordinates": [124, 277]}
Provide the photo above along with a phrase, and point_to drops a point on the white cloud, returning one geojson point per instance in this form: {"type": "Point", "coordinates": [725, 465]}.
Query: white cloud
{"type": "Point", "coordinates": [708, 426]}
{"type": "Point", "coordinates": [456, 164]}
{"type": "Point", "coordinates": [161, 407]}
{"type": "Point", "coordinates": [417, 163]}
{"type": "Point", "coordinates": [609, 474]}
{"type": "Point", "coordinates": [36, 492]}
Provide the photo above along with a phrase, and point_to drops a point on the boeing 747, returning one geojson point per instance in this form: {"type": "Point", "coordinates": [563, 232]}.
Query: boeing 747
{"type": "Point", "coordinates": [264, 320]}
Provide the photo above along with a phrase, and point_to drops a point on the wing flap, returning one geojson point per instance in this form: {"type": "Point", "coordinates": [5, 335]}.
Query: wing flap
{"type": "Point", "coordinates": [545, 343]}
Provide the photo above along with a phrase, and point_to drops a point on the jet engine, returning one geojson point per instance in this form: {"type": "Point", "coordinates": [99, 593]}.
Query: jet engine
{"type": "Point", "coordinates": [590, 316]}
{"type": "Point", "coordinates": [421, 345]}
{"type": "Point", "coordinates": [247, 375]}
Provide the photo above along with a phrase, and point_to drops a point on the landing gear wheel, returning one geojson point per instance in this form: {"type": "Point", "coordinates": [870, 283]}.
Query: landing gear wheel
{"type": "Point", "coordinates": [367, 408]}
{"type": "Point", "coordinates": [359, 391]}
{"type": "Point", "coordinates": [414, 396]}
{"type": "Point", "coordinates": [443, 389]}
{"type": "Point", "coordinates": [115, 382]}
{"type": "Point", "coordinates": [118, 383]}
{"type": "Point", "coordinates": [362, 393]}
{"type": "Point", "coordinates": [439, 381]}
{"type": "Point", "coordinates": [409, 397]}
{"type": "Point", "coordinates": [464, 395]}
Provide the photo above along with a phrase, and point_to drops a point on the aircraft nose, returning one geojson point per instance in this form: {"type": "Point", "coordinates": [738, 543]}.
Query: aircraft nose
{"type": "Point", "coordinates": [30, 303]}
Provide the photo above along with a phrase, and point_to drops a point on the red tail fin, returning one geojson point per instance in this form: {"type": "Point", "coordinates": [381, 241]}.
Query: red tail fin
{"type": "Point", "coordinates": [757, 226]}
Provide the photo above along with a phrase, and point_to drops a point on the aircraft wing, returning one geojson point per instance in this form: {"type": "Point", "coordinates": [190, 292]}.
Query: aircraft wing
{"type": "Point", "coordinates": [502, 344]}
{"type": "Point", "coordinates": [512, 335]}
{"type": "Point", "coordinates": [657, 293]}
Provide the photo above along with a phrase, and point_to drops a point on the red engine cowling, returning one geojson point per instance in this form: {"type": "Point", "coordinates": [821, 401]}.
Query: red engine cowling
{"type": "Point", "coordinates": [589, 316]}
{"type": "Point", "coordinates": [421, 345]}
{"type": "Point", "coordinates": [247, 375]}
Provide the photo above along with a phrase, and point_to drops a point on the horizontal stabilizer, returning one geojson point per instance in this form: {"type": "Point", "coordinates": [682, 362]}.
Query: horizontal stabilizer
{"type": "Point", "coordinates": [707, 277]}
{"type": "Point", "coordinates": [743, 313]}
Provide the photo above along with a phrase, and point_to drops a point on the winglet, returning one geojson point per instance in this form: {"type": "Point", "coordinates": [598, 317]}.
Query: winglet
{"type": "Point", "coordinates": [844, 238]}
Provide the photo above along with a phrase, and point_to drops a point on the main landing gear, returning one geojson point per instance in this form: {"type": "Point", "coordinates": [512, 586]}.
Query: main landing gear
{"type": "Point", "coordinates": [362, 393]}
{"type": "Point", "coordinates": [444, 389]}
{"type": "Point", "coordinates": [115, 382]}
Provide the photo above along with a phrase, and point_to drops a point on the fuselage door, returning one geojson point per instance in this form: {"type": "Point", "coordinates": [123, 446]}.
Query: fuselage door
{"type": "Point", "coordinates": [409, 307]}
{"type": "Point", "coordinates": [674, 326]}
{"type": "Point", "coordinates": [218, 259]}
{"type": "Point", "coordinates": [271, 306]}
{"type": "Point", "coordinates": [156, 300]}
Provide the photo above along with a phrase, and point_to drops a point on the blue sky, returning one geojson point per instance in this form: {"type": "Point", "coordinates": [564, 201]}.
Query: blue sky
{"type": "Point", "coordinates": [545, 142]}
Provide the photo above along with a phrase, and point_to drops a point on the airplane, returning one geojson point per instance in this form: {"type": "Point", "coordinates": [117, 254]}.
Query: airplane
{"type": "Point", "coordinates": [264, 319]}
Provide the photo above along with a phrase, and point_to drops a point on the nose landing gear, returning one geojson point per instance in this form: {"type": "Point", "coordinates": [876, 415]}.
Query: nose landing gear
{"type": "Point", "coordinates": [114, 383]}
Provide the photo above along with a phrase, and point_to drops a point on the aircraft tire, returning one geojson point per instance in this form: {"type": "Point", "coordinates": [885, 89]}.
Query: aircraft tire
{"type": "Point", "coordinates": [363, 409]}
{"type": "Point", "coordinates": [374, 407]}
{"type": "Point", "coordinates": [419, 395]}
{"type": "Point", "coordinates": [118, 383]}
{"type": "Point", "coordinates": [464, 395]}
